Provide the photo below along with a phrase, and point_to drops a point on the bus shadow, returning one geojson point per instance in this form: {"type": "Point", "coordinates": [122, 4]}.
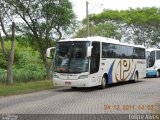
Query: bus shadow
{"type": "Point", "coordinates": [89, 89]}
{"type": "Point", "coordinates": [80, 89]}
{"type": "Point", "coordinates": [122, 83]}
{"type": "Point", "coordinates": [150, 77]}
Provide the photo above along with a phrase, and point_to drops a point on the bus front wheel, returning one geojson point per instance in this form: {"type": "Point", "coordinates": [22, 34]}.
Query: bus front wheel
{"type": "Point", "coordinates": [103, 83]}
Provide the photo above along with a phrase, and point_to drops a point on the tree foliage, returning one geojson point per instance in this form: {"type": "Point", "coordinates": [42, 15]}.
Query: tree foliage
{"type": "Point", "coordinates": [43, 21]}
{"type": "Point", "coordinates": [141, 25]}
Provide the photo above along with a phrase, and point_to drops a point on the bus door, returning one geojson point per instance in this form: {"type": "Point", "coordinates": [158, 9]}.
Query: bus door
{"type": "Point", "coordinates": [95, 61]}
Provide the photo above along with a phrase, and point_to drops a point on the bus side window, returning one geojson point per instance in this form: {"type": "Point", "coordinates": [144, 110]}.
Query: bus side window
{"type": "Point", "coordinates": [135, 54]}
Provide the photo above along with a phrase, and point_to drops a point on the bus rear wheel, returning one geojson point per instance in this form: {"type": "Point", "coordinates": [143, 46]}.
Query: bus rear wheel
{"type": "Point", "coordinates": [74, 88]}
{"type": "Point", "coordinates": [136, 77]}
{"type": "Point", "coordinates": [103, 83]}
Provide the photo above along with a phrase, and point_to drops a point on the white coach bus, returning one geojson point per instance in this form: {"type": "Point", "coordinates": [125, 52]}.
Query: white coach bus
{"type": "Point", "coordinates": [96, 61]}
{"type": "Point", "coordinates": [153, 62]}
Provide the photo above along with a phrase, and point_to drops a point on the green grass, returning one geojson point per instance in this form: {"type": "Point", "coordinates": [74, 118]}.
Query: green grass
{"type": "Point", "coordinates": [21, 88]}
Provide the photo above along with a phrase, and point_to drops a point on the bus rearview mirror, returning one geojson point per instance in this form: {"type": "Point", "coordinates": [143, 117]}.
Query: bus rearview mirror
{"type": "Point", "coordinates": [49, 52]}
{"type": "Point", "coordinates": [89, 51]}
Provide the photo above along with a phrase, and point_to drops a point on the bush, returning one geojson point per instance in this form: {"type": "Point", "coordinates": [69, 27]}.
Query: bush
{"type": "Point", "coordinates": [28, 65]}
{"type": "Point", "coordinates": [3, 75]}
{"type": "Point", "coordinates": [23, 75]}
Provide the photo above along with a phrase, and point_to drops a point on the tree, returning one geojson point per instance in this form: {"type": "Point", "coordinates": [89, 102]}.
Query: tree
{"type": "Point", "coordinates": [141, 25]}
{"type": "Point", "coordinates": [44, 21]}
{"type": "Point", "coordinates": [4, 16]}
{"type": "Point", "coordinates": [105, 30]}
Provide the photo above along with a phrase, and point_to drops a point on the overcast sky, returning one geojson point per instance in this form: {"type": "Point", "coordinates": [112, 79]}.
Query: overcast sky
{"type": "Point", "coordinates": [97, 6]}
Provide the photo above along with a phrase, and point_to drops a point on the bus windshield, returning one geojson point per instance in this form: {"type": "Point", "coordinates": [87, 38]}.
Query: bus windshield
{"type": "Point", "coordinates": [150, 57]}
{"type": "Point", "coordinates": [71, 57]}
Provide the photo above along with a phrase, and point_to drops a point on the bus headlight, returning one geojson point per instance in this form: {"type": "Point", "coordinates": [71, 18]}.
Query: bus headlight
{"type": "Point", "coordinates": [55, 76]}
{"type": "Point", "coordinates": [83, 77]}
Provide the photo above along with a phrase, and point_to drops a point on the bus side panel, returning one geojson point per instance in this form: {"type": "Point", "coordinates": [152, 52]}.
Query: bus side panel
{"type": "Point", "coordinates": [107, 67]}
{"type": "Point", "coordinates": [123, 70]}
{"type": "Point", "coordinates": [157, 64]}
{"type": "Point", "coordinates": [119, 70]}
{"type": "Point", "coordinates": [141, 68]}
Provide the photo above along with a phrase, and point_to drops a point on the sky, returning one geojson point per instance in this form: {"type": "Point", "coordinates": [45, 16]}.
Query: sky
{"type": "Point", "coordinates": [97, 6]}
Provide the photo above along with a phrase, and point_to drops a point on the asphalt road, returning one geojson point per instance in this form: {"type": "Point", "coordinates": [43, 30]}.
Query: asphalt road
{"type": "Point", "coordinates": [128, 98]}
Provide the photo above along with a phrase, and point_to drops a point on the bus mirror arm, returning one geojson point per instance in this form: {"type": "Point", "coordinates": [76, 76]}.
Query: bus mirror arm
{"type": "Point", "coordinates": [89, 51]}
{"type": "Point", "coordinates": [48, 53]}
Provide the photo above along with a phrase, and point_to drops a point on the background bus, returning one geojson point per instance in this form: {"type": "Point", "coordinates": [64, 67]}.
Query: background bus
{"type": "Point", "coordinates": [153, 62]}
{"type": "Point", "coordinates": [97, 61]}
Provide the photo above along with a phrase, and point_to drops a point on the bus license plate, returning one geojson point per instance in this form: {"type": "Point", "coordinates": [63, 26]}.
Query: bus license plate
{"type": "Point", "coordinates": [67, 83]}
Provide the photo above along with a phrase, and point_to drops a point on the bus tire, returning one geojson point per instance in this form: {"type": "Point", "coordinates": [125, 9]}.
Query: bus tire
{"type": "Point", "coordinates": [74, 88]}
{"type": "Point", "coordinates": [103, 83]}
{"type": "Point", "coordinates": [158, 73]}
{"type": "Point", "coordinates": [136, 77]}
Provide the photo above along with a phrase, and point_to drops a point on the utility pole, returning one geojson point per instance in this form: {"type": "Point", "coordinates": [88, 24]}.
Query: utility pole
{"type": "Point", "coordinates": [87, 17]}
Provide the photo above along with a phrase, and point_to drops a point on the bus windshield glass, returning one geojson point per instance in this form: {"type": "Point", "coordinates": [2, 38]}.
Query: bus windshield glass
{"type": "Point", "coordinates": [150, 57]}
{"type": "Point", "coordinates": [71, 57]}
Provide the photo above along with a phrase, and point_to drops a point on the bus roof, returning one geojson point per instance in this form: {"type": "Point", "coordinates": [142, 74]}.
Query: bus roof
{"type": "Point", "coordinates": [152, 49]}
{"type": "Point", "coordinates": [101, 39]}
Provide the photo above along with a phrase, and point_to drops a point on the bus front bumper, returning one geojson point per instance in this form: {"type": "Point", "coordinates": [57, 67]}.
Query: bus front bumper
{"type": "Point", "coordinates": [151, 73]}
{"type": "Point", "coordinates": [74, 83]}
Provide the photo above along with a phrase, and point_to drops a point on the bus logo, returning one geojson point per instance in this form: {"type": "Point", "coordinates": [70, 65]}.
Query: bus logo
{"type": "Point", "coordinates": [123, 69]}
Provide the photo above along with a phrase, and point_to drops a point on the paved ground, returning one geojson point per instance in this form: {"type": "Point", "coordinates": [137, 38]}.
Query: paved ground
{"type": "Point", "coordinates": [141, 97]}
